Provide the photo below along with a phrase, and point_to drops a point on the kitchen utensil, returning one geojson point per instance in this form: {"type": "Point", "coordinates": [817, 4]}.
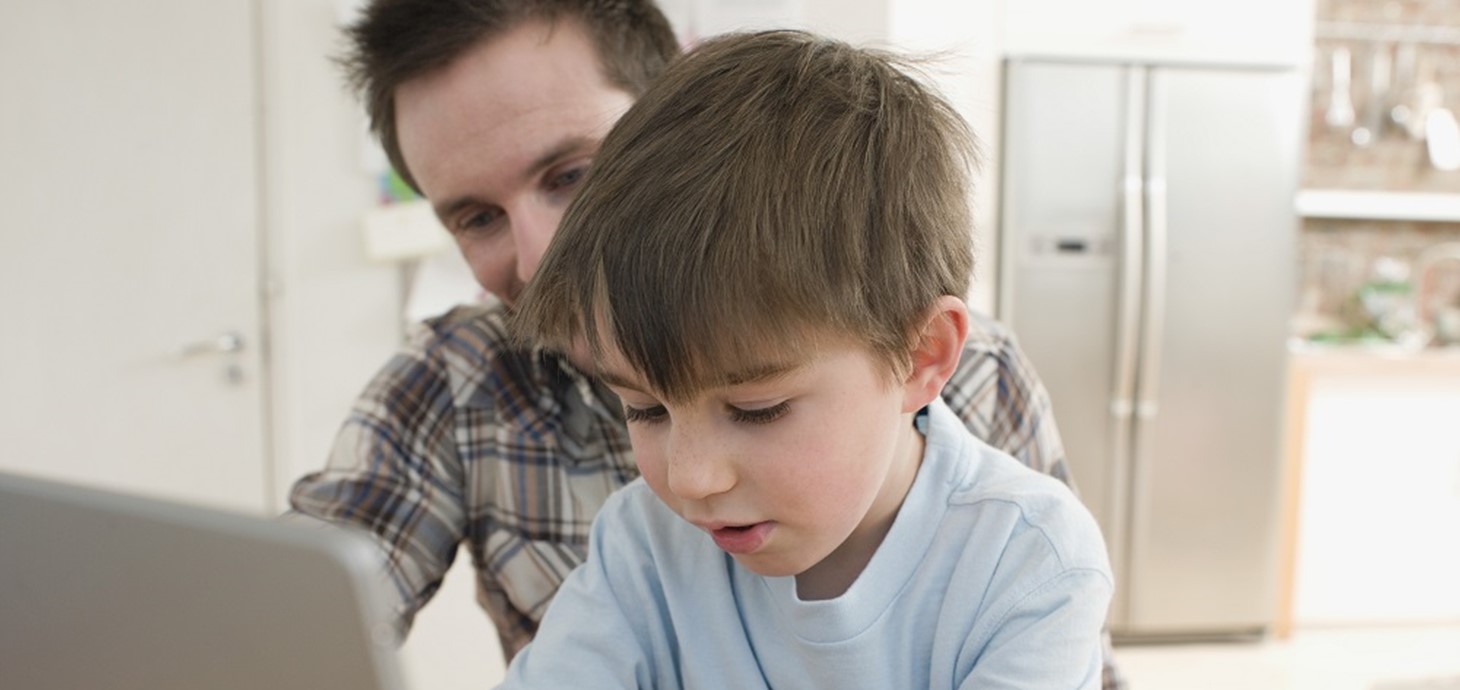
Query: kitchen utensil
{"type": "Point", "coordinates": [1376, 107]}
{"type": "Point", "coordinates": [1404, 79]}
{"type": "Point", "coordinates": [1442, 138]}
{"type": "Point", "coordinates": [1340, 114]}
{"type": "Point", "coordinates": [1428, 95]}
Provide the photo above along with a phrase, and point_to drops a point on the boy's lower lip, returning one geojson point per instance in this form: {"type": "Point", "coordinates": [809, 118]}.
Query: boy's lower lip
{"type": "Point", "coordinates": [742, 540]}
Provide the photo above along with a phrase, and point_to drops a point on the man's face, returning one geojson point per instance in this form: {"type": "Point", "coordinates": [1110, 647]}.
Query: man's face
{"type": "Point", "coordinates": [500, 140]}
{"type": "Point", "coordinates": [790, 469]}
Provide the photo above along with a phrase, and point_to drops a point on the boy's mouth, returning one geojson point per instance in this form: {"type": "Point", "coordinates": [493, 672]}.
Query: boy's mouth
{"type": "Point", "coordinates": [741, 539]}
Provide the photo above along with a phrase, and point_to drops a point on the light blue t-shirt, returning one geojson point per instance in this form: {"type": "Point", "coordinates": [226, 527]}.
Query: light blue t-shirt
{"type": "Point", "coordinates": [992, 576]}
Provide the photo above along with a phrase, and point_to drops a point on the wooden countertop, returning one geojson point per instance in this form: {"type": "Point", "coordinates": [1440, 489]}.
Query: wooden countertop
{"type": "Point", "coordinates": [1307, 358]}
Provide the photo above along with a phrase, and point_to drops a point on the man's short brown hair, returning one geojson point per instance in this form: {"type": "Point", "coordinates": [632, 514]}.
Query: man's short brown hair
{"type": "Point", "coordinates": [770, 192]}
{"type": "Point", "coordinates": [398, 40]}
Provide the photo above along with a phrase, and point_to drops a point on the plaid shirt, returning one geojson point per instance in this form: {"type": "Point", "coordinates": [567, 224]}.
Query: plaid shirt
{"type": "Point", "coordinates": [463, 440]}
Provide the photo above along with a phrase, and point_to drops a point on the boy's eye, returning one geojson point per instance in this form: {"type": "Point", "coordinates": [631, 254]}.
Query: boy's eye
{"type": "Point", "coordinates": [764, 415]}
{"type": "Point", "coordinates": [645, 415]}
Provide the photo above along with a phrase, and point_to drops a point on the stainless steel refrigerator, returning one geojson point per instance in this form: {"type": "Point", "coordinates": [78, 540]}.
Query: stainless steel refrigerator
{"type": "Point", "coordinates": [1147, 267]}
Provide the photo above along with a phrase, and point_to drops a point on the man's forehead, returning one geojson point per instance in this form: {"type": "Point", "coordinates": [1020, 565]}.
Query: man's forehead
{"type": "Point", "coordinates": [503, 107]}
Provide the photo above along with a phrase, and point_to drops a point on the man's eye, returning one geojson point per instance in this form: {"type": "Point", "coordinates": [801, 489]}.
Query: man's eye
{"type": "Point", "coordinates": [645, 415]}
{"type": "Point", "coordinates": [477, 221]}
{"type": "Point", "coordinates": [764, 415]}
{"type": "Point", "coordinates": [568, 179]}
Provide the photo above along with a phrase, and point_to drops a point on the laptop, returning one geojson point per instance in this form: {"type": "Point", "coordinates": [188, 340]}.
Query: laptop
{"type": "Point", "coordinates": [103, 590]}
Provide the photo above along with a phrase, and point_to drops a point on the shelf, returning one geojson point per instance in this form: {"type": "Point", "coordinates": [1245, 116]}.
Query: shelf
{"type": "Point", "coordinates": [1361, 205]}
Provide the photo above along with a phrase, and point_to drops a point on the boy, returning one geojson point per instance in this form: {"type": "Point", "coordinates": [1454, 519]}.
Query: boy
{"type": "Point", "coordinates": [765, 266]}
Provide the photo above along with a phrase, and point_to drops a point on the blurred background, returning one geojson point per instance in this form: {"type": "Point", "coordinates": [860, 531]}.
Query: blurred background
{"type": "Point", "coordinates": [1228, 234]}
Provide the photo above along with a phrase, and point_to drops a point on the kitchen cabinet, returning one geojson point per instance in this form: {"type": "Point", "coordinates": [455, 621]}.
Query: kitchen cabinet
{"type": "Point", "coordinates": [1374, 488]}
{"type": "Point", "coordinates": [1237, 31]}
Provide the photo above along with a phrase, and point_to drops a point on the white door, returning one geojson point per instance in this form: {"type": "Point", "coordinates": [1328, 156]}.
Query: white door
{"type": "Point", "coordinates": [129, 248]}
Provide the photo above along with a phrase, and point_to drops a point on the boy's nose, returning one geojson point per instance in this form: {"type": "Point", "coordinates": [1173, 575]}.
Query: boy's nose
{"type": "Point", "coordinates": [698, 468]}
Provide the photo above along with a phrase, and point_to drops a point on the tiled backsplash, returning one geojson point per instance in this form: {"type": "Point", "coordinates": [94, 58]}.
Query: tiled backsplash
{"type": "Point", "coordinates": [1418, 41]}
{"type": "Point", "coordinates": [1341, 257]}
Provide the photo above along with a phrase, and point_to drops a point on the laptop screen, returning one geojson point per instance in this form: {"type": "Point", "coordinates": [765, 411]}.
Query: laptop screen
{"type": "Point", "coordinates": [102, 590]}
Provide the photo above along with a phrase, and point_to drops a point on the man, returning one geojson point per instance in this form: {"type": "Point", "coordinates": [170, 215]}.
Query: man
{"type": "Point", "coordinates": [493, 110]}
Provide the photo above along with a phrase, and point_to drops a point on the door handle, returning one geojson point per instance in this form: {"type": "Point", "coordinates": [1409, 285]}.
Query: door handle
{"type": "Point", "coordinates": [227, 342]}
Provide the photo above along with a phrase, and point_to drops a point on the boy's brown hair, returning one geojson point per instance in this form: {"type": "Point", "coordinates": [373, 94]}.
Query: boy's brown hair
{"type": "Point", "coordinates": [771, 192]}
{"type": "Point", "coordinates": [395, 41]}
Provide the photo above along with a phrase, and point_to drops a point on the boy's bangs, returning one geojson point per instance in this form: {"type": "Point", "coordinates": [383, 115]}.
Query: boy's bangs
{"type": "Point", "coordinates": [682, 350]}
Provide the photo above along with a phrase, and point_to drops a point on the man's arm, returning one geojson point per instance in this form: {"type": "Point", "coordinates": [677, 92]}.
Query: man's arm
{"type": "Point", "coordinates": [394, 473]}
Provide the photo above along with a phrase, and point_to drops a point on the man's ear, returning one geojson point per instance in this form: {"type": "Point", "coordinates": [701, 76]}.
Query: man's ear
{"type": "Point", "coordinates": [936, 356]}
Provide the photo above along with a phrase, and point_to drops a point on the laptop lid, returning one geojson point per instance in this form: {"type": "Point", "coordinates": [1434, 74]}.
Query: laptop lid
{"type": "Point", "coordinates": [102, 590]}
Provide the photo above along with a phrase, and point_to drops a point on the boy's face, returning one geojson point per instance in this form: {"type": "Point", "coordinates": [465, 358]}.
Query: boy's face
{"type": "Point", "coordinates": [786, 469]}
{"type": "Point", "coordinates": [499, 141]}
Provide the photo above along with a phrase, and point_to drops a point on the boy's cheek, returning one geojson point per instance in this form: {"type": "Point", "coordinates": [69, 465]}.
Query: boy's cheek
{"type": "Point", "coordinates": [581, 356]}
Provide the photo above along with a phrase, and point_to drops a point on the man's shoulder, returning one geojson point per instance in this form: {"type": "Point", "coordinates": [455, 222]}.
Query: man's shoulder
{"type": "Point", "coordinates": [990, 356]}
{"type": "Point", "coordinates": [472, 338]}
{"type": "Point", "coordinates": [987, 334]}
{"type": "Point", "coordinates": [480, 327]}
{"type": "Point", "coordinates": [467, 351]}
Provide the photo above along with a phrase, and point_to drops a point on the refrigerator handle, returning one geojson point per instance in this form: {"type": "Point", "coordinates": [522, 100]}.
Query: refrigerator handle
{"type": "Point", "coordinates": [1153, 310]}
{"type": "Point", "coordinates": [1154, 307]}
{"type": "Point", "coordinates": [1128, 319]}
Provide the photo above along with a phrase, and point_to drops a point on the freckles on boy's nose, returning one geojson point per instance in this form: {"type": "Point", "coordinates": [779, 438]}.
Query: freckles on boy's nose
{"type": "Point", "coordinates": [695, 470]}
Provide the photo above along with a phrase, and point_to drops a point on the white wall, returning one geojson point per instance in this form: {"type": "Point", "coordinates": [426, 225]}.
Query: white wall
{"type": "Point", "coordinates": [334, 315]}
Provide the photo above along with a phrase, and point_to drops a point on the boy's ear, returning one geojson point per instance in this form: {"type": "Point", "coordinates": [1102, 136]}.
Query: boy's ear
{"type": "Point", "coordinates": [936, 356]}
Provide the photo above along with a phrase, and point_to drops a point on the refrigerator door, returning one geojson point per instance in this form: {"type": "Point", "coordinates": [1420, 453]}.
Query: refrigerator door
{"type": "Point", "coordinates": [1222, 157]}
{"type": "Point", "coordinates": [1066, 158]}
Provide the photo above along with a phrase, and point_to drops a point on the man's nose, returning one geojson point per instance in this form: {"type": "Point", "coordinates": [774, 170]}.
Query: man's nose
{"type": "Point", "coordinates": [698, 466]}
{"type": "Point", "coordinates": [533, 227]}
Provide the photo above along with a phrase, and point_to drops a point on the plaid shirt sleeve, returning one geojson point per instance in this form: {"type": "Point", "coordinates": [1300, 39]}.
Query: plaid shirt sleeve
{"type": "Point", "coordinates": [463, 441]}
{"type": "Point", "coordinates": [394, 472]}
{"type": "Point", "coordinates": [1002, 401]}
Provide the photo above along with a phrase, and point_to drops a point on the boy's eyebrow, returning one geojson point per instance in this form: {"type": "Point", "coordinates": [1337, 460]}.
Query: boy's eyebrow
{"type": "Point", "coordinates": [763, 372]}
{"type": "Point", "coordinates": [617, 380]}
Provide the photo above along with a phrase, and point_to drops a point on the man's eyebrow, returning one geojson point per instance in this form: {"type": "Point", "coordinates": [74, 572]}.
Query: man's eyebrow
{"type": "Point", "coordinates": [446, 209]}
{"type": "Point", "coordinates": [565, 148]}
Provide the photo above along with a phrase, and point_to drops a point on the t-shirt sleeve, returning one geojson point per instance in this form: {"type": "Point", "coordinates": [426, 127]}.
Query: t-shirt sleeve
{"type": "Point", "coordinates": [1051, 638]}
